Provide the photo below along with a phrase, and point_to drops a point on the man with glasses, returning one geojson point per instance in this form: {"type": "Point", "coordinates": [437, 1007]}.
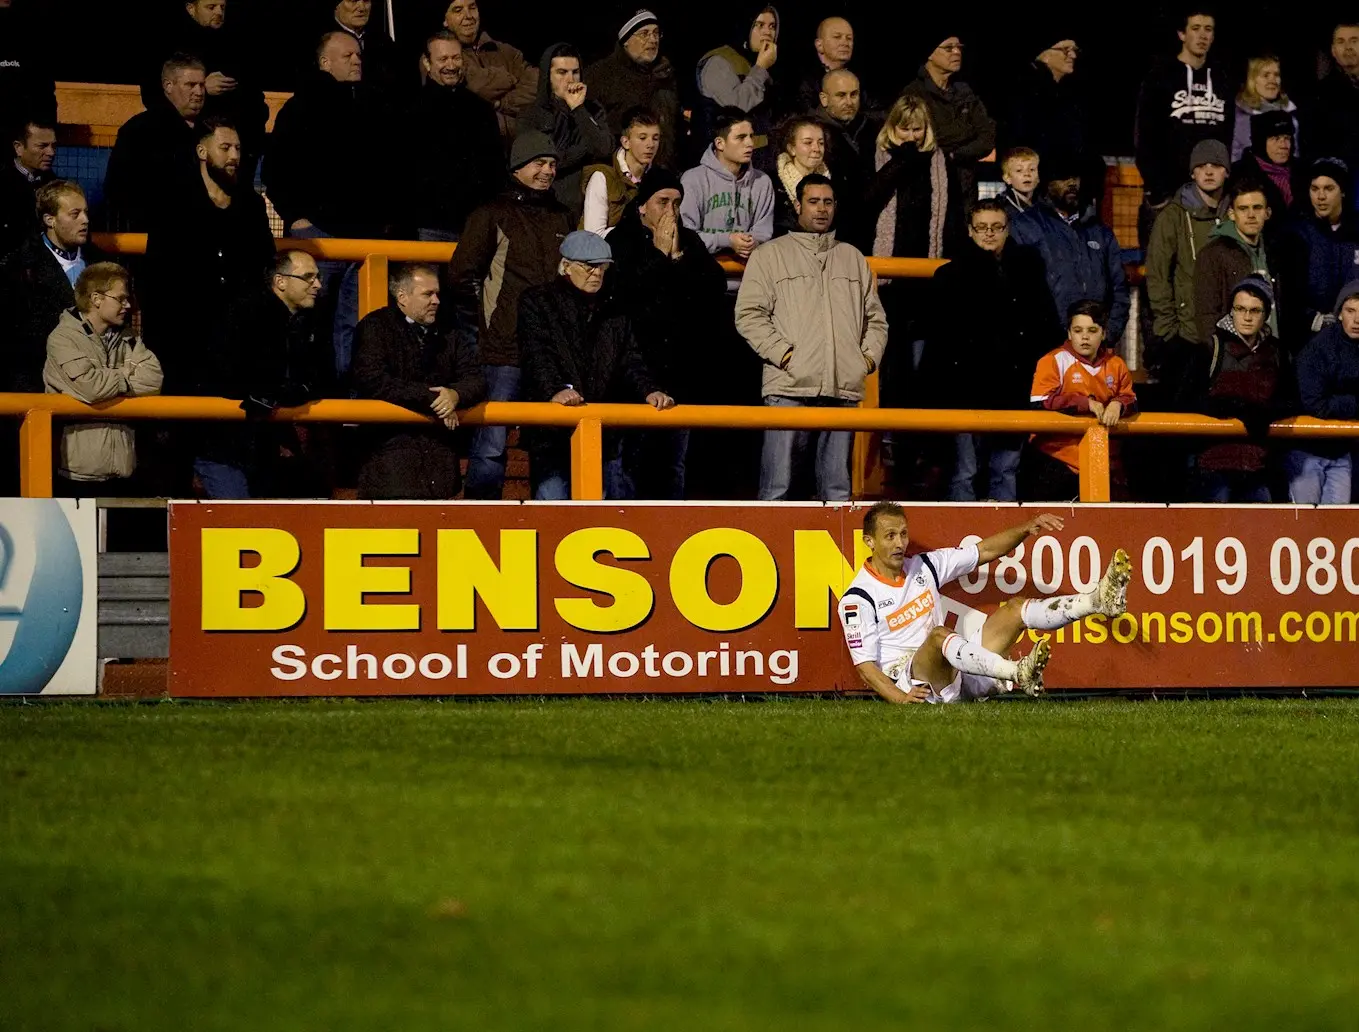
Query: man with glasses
{"type": "Point", "coordinates": [207, 245]}
{"type": "Point", "coordinates": [637, 75]}
{"type": "Point", "coordinates": [1047, 110]}
{"type": "Point", "coordinates": [962, 127]}
{"type": "Point", "coordinates": [1243, 375]}
{"type": "Point", "coordinates": [93, 356]}
{"type": "Point", "coordinates": [993, 320]}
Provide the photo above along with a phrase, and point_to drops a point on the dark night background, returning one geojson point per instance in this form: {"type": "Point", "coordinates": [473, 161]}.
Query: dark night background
{"type": "Point", "coordinates": [1117, 47]}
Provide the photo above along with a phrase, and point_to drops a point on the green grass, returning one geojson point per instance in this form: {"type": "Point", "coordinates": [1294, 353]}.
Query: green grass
{"type": "Point", "coordinates": [679, 865]}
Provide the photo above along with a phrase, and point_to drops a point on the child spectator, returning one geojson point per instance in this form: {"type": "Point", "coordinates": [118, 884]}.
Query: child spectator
{"type": "Point", "coordinates": [1081, 378]}
{"type": "Point", "coordinates": [1019, 169]}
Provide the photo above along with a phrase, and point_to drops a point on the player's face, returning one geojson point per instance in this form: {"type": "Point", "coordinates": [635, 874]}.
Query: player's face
{"type": "Point", "coordinates": [888, 542]}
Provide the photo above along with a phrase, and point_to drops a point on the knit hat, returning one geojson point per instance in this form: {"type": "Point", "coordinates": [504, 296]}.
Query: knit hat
{"type": "Point", "coordinates": [1268, 124]}
{"type": "Point", "coordinates": [634, 23]}
{"type": "Point", "coordinates": [1209, 152]}
{"type": "Point", "coordinates": [1332, 168]}
{"type": "Point", "coordinates": [587, 247]}
{"type": "Point", "coordinates": [530, 145]}
{"type": "Point", "coordinates": [1349, 290]}
{"type": "Point", "coordinates": [1257, 286]}
{"type": "Point", "coordinates": [654, 180]}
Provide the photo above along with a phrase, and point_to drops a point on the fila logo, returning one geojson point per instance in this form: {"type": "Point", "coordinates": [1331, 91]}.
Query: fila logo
{"type": "Point", "coordinates": [885, 604]}
{"type": "Point", "coordinates": [911, 611]}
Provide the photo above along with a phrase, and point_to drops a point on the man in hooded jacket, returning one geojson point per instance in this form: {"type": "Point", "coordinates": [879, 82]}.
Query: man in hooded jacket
{"type": "Point", "coordinates": [573, 121]}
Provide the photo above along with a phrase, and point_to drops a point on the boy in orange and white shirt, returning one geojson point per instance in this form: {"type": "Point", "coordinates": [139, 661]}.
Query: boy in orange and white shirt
{"type": "Point", "coordinates": [1082, 377]}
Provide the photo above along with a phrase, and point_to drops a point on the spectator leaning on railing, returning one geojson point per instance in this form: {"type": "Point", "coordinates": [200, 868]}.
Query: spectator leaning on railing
{"type": "Point", "coordinates": [93, 356]}
{"type": "Point", "coordinates": [1328, 384]}
{"type": "Point", "coordinates": [401, 357]}
{"type": "Point", "coordinates": [809, 308]}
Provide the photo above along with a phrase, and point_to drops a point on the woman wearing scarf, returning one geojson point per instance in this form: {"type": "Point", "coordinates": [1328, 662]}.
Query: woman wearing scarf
{"type": "Point", "coordinates": [803, 153]}
{"type": "Point", "coordinates": [1270, 158]}
{"type": "Point", "coordinates": [1262, 92]}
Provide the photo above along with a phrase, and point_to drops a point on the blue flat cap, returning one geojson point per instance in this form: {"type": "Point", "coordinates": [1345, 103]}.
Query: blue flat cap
{"type": "Point", "coordinates": [587, 247]}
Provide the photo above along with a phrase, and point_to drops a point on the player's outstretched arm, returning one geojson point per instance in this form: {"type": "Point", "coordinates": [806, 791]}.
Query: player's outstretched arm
{"type": "Point", "coordinates": [886, 687]}
{"type": "Point", "coordinates": [1007, 541]}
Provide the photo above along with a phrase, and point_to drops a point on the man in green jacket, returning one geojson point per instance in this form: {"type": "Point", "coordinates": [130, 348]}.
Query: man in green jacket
{"type": "Point", "coordinates": [1181, 232]}
{"type": "Point", "coordinates": [1237, 249]}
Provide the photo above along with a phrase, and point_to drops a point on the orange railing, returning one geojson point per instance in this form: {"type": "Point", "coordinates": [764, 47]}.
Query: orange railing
{"type": "Point", "coordinates": [588, 423]}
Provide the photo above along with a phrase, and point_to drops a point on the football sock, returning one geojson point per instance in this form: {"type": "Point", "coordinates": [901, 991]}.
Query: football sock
{"type": "Point", "coordinates": [1048, 614]}
{"type": "Point", "coordinates": [971, 658]}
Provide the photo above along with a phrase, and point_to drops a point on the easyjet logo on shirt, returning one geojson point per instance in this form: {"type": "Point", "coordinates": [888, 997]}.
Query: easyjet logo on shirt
{"type": "Point", "coordinates": [911, 611]}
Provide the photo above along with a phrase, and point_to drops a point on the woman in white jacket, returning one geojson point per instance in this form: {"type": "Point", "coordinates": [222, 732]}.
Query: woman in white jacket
{"type": "Point", "coordinates": [91, 355]}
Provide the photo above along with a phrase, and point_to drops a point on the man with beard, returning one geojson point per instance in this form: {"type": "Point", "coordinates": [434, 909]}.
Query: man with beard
{"type": "Point", "coordinates": [155, 146]}
{"type": "Point", "coordinates": [208, 244]}
{"type": "Point", "coordinates": [35, 149]}
{"type": "Point", "coordinates": [1081, 257]}
{"type": "Point", "coordinates": [457, 157]}
{"type": "Point", "coordinates": [636, 75]}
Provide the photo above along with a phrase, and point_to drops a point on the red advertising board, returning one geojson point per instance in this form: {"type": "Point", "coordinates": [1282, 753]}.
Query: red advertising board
{"type": "Point", "coordinates": [352, 598]}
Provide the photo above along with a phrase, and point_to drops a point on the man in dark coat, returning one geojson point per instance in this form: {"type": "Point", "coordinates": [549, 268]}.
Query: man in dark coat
{"type": "Point", "coordinates": [1240, 246]}
{"type": "Point", "coordinates": [1047, 110]}
{"type": "Point", "coordinates": [155, 146]}
{"type": "Point", "coordinates": [636, 75]}
{"type": "Point", "coordinates": [852, 141]}
{"type": "Point", "coordinates": [388, 70]}
{"type": "Point", "coordinates": [1327, 251]}
{"type": "Point", "coordinates": [207, 248]}
{"type": "Point", "coordinates": [674, 293]}
{"type": "Point", "coordinates": [401, 357]}
{"type": "Point", "coordinates": [34, 150]}
{"type": "Point", "coordinates": [507, 246]}
{"type": "Point", "coordinates": [577, 126]}
{"type": "Point", "coordinates": [37, 283]}
{"type": "Point", "coordinates": [1333, 126]}
{"type": "Point", "coordinates": [993, 320]}
{"type": "Point", "coordinates": [578, 347]}
{"type": "Point", "coordinates": [232, 83]}
{"type": "Point", "coordinates": [458, 159]}
{"type": "Point", "coordinates": [271, 356]}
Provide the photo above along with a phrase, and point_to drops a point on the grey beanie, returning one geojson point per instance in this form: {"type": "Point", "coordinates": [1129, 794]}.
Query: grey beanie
{"type": "Point", "coordinates": [530, 145]}
{"type": "Point", "coordinates": [1209, 152]}
{"type": "Point", "coordinates": [1349, 290]}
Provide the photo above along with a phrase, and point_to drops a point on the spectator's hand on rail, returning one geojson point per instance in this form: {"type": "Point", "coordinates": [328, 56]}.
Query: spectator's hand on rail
{"type": "Point", "coordinates": [1111, 413]}
{"type": "Point", "coordinates": [568, 396]}
{"type": "Point", "coordinates": [218, 83]}
{"type": "Point", "coordinates": [660, 400]}
{"type": "Point", "coordinates": [1097, 409]}
{"type": "Point", "coordinates": [451, 421]}
{"type": "Point", "coordinates": [445, 401]}
{"type": "Point", "coordinates": [742, 244]}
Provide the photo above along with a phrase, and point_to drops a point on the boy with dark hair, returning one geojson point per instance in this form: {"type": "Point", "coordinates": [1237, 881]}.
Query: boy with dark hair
{"type": "Point", "coordinates": [729, 203]}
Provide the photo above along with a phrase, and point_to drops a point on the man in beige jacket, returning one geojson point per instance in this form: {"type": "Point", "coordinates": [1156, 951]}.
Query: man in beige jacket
{"type": "Point", "coordinates": [809, 308]}
{"type": "Point", "coordinates": [93, 357]}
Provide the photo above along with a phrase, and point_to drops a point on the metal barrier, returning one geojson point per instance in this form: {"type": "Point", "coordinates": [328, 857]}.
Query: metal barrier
{"type": "Point", "coordinates": [587, 423]}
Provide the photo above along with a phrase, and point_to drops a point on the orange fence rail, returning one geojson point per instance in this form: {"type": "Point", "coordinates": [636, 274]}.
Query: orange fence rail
{"type": "Point", "coordinates": [589, 421]}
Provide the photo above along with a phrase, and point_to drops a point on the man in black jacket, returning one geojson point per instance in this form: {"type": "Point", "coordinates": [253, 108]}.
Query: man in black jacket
{"type": "Point", "coordinates": [326, 173]}
{"type": "Point", "coordinates": [578, 347]}
{"type": "Point", "coordinates": [675, 294]}
{"type": "Point", "coordinates": [1333, 128]}
{"type": "Point", "coordinates": [637, 75]}
{"type": "Point", "coordinates": [389, 70]}
{"type": "Point", "coordinates": [458, 158]}
{"type": "Point", "coordinates": [34, 151]}
{"type": "Point", "coordinates": [401, 357]}
{"type": "Point", "coordinates": [577, 126]}
{"type": "Point", "coordinates": [994, 318]}
{"type": "Point", "coordinates": [233, 91]}
{"type": "Point", "coordinates": [155, 146]}
{"type": "Point", "coordinates": [271, 357]}
{"type": "Point", "coordinates": [208, 244]}
{"type": "Point", "coordinates": [37, 282]}
{"type": "Point", "coordinates": [852, 135]}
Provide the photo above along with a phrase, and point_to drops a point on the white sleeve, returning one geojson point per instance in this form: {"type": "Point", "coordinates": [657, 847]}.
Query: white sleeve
{"type": "Point", "coordinates": [952, 563]}
{"type": "Point", "coordinates": [596, 217]}
{"type": "Point", "coordinates": [859, 620]}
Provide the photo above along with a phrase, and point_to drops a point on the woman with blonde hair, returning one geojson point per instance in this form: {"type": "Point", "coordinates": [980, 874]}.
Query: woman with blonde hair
{"type": "Point", "coordinates": [802, 153]}
{"type": "Point", "coordinates": [912, 203]}
{"type": "Point", "coordinates": [1261, 92]}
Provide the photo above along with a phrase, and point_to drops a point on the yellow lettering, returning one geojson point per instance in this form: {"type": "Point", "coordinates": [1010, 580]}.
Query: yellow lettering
{"type": "Point", "coordinates": [348, 579]}
{"type": "Point", "coordinates": [509, 591]}
{"type": "Point", "coordinates": [819, 568]}
{"type": "Point", "coordinates": [1158, 621]}
{"type": "Point", "coordinates": [1290, 618]}
{"type": "Point", "coordinates": [1244, 627]}
{"type": "Point", "coordinates": [1323, 627]}
{"type": "Point", "coordinates": [225, 580]}
{"type": "Point", "coordinates": [689, 579]}
{"type": "Point", "coordinates": [1205, 621]}
{"type": "Point", "coordinates": [1125, 628]}
{"type": "Point", "coordinates": [632, 597]}
{"type": "Point", "coordinates": [1096, 629]}
{"type": "Point", "coordinates": [1345, 625]}
{"type": "Point", "coordinates": [1181, 629]}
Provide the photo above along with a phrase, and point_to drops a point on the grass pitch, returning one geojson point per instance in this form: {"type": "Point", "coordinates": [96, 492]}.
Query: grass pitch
{"type": "Point", "coordinates": [679, 865]}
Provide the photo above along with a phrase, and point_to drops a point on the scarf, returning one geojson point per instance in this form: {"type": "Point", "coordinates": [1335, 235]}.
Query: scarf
{"type": "Point", "coordinates": [885, 235]}
{"type": "Point", "coordinates": [790, 175]}
{"type": "Point", "coordinates": [1280, 176]}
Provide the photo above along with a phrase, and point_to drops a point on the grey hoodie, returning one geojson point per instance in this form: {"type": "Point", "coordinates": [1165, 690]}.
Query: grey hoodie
{"type": "Point", "coordinates": [717, 204]}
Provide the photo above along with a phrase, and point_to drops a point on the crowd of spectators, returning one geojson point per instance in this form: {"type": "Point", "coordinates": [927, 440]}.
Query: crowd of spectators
{"type": "Point", "coordinates": [590, 204]}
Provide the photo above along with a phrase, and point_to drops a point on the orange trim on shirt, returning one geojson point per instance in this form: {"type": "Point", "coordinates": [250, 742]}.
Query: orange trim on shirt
{"type": "Point", "coordinates": [901, 580]}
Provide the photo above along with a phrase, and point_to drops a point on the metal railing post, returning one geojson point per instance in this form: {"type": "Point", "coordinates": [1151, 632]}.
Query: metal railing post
{"type": "Point", "coordinates": [587, 461]}
{"type": "Point", "coordinates": [1094, 463]}
{"type": "Point", "coordinates": [35, 454]}
{"type": "Point", "coordinates": [372, 284]}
